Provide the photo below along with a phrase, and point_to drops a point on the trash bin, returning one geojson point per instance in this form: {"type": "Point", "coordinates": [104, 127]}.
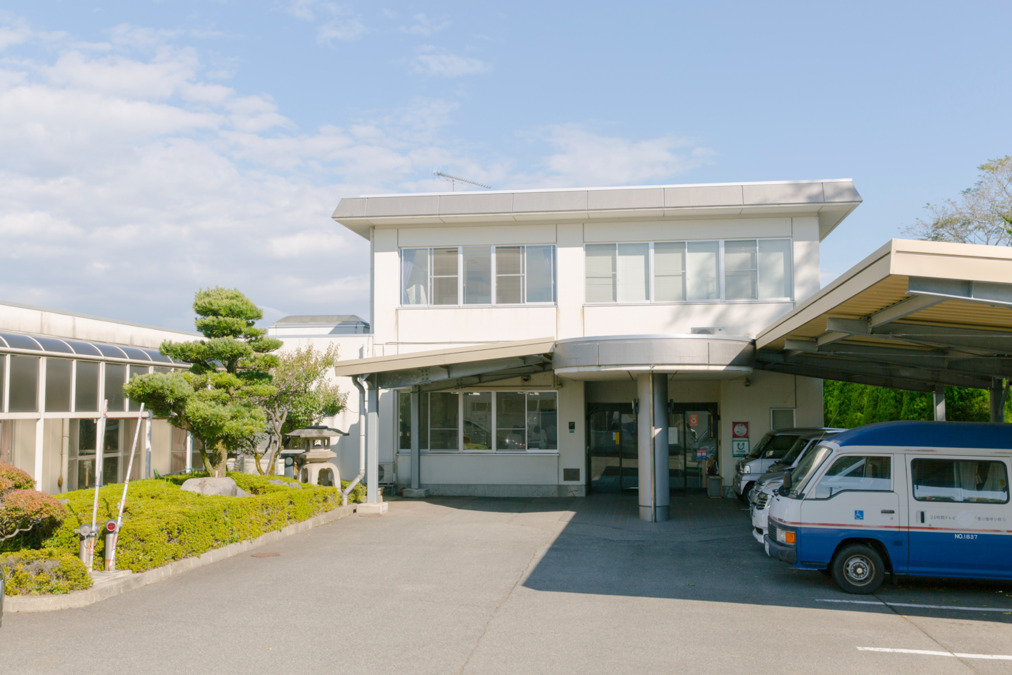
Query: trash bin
{"type": "Point", "coordinates": [713, 486]}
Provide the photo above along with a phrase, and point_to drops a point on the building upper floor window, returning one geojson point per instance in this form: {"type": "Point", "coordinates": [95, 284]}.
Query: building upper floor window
{"type": "Point", "coordinates": [478, 275]}
{"type": "Point", "coordinates": [689, 271]}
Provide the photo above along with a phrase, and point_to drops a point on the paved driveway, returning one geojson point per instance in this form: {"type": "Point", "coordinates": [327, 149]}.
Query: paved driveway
{"type": "Point", "coordinates": [508, 586]}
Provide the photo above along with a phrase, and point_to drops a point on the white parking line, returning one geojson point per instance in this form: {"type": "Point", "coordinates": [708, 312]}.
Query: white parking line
{"type": "Point", "coordinates": [1005, 610]}
{"type": "Point", "coordinates": [925, 652]}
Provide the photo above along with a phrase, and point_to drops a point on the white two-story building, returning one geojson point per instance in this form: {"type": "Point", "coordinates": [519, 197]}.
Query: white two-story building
{"type": "Point", "coordinates": [560, 342]}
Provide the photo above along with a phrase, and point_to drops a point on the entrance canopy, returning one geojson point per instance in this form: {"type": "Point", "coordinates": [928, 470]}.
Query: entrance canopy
{"type": "Point", "coordinates": [454, 368]}
{"type": "Point", "coordinates": [913, 315]}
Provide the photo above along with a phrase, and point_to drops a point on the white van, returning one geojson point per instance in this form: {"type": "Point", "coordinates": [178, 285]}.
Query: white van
{"type": "Point", "coordinates": [771, 448]}
{"type": "Point", "coordinates": [915, 498]}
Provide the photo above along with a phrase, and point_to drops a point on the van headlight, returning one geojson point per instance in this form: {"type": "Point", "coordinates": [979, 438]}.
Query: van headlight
{"type": "Point", "coordinates": [746, 469]}
{"type": "Point", "coordinates": [786, 535]}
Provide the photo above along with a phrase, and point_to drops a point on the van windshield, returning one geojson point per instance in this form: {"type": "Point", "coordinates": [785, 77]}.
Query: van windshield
{"type": "Point", "coordinates": [795, 450]}
{"type": "Point", "coordinates": [779, 446]}
{"type": "Point", "coordinates": [806, 468]}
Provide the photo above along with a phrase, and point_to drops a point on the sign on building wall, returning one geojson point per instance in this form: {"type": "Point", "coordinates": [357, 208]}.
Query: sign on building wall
{"type": "Point", "coordinates": [739, 439]}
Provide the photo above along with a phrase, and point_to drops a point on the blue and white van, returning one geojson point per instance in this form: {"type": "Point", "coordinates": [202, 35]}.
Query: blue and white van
{"type": "Point", "coordinates": [915, 498]}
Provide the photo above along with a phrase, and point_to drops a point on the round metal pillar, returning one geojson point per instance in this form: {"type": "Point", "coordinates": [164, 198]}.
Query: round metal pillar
{"type": "Point", "coordinates": [652, 446]}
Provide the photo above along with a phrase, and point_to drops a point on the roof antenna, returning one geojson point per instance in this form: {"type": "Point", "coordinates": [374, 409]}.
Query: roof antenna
{"type": "Point", "coordinates": [455, 179]}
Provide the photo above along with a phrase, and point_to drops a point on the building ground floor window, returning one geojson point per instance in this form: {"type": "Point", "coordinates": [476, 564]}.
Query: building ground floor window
{"type": "Point", "coordinates": [476, 421]}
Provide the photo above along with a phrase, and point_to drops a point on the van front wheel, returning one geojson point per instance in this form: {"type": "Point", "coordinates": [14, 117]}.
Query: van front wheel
{"type": "Point", "coordinates": [858, 569]}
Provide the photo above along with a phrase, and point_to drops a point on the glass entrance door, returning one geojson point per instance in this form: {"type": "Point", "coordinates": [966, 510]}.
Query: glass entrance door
{"type": "Point", "coordinates": [692, 445]}
{"type": "Point", "coordinates": [612, 455]}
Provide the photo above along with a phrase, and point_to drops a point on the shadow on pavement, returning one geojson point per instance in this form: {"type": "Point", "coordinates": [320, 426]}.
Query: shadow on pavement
{"type": "Point", "coordinates": [706, 552]}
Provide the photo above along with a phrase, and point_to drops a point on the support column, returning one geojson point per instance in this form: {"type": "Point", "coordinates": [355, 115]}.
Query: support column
{"type": "Point", "coordinates": [416, 458]}
{"type": "Point", "coordinates": [372, 447]}
{"type": "Point", "coordinates": [652, 425]}
{"type": "Point", "coordinates": [997, 400]}
{"type": "Point", "coordinates": [416, 490]}
{"type": "Point", "coordinates": [939, 403]}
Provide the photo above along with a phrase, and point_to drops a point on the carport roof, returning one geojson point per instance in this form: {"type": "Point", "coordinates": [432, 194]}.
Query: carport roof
{"type": "Point", "coordinates": [457, 367]}
{"type": "Point", "coordinates": [912, 315]}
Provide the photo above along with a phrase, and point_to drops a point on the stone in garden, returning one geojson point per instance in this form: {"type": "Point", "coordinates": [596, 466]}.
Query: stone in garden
{"type": "Point", "coordinates": [225, 487]}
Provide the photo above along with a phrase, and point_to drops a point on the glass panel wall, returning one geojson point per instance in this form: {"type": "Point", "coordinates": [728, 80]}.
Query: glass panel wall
{"type": "Point", "coordinates": [81, 454]}
{"type": "Point", "coordinates": [133, 372]}
{"type": "Point", "coordinates": [24, 385]}
{"type": "Point", "coordinates": [86, 387]}
{"type": "Point", "coordinates": [58, 384]}
{"type": "Point", "coordinates": [115, 378]}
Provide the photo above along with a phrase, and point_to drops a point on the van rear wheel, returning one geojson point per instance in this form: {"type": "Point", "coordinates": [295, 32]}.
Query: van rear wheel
{"type": "Point", "coordinates": [858, 568]}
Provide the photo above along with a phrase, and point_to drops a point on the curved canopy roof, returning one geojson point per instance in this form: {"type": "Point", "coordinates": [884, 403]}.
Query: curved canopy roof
{"type": "Point", "coordinates": [50, 346]}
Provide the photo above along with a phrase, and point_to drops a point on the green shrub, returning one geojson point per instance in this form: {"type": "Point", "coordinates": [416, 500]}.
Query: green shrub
{"type": "Point", "coordinates": [162, 523]}
{"type": "Point", "coordinates": [43, 571]}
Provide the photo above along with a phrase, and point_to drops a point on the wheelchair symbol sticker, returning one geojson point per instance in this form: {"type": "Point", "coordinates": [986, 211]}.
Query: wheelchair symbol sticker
{"type": "Point", "coordinates": [858, 515]}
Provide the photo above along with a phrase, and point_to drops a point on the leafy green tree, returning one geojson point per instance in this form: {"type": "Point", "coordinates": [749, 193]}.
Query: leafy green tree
{"type": "Point", "coordinates": [301, 396]}
{"type": "Point", "coordinates": [982, 214]}
{"type": "Point", "coordinates": [229, 371]}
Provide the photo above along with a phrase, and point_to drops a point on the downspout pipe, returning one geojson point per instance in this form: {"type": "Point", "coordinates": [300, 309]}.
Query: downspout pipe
{"type": "Point", "coordinates": [360, 384]}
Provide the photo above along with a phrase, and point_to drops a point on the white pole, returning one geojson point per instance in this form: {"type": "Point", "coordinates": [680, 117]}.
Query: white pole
{"type": "Point", "coordinates": [111, 555]}
{"type": "Point", "coordinates": [99, 459]}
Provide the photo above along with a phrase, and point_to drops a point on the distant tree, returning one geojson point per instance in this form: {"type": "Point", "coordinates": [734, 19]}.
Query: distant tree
{"type": "Point", "coordinates": [301, 397]}
{"type": "Point", "coordinates": [981, 215]}
{"type": "Point", "coordinates": [214, 400]}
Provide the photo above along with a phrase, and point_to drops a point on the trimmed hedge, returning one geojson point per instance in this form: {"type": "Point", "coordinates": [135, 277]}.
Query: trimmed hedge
{"type": "Point", "coordinates": [44, 571]}
{"type": "Point", "coordinates": [162, 523]}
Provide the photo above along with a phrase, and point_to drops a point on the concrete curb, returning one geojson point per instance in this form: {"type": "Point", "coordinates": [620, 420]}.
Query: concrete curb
{"type": "Point", "coordinates": [121, 582]}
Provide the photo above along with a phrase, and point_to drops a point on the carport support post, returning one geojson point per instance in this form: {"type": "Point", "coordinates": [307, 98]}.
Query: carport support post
{"type": "Point", "coordinates": [652, 425]}
{"type": "Point", "coordinates": [939, 403]}
{"type": "Point", "coordinates": [416, 459]}
{"type": "Point", "coordinates": [997, 400]}
{"type": "Point", "coordinates": [372, 447]}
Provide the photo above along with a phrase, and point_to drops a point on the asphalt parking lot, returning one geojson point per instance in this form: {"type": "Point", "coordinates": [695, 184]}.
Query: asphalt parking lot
{"type": "Point", "coordinates": [468, 585]}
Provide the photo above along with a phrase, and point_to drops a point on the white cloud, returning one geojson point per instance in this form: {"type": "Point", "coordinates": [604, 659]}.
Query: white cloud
{"type": "Point", "coordinates": [336, 22]}
{"type": "Point", "coordinates": [440, 63]}
{"type": "Point", "coordinates": [584, 158]}
{"type": "Point", "coordinates": [16, 33]}
{"type": "Point", "coordinates": [424, 26]}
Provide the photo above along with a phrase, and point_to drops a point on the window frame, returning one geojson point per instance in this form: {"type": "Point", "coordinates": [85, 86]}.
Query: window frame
{"type": "Point", "coordinates": [686, 272]}
{"type": "Point", "coordinates": [424, 443]}
{"type": "Point", "coordinates": [461, 277]}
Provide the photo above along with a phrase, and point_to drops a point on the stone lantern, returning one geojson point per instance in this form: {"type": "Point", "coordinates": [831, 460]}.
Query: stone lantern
{"type": "Point", "coordinates": [315, 465]}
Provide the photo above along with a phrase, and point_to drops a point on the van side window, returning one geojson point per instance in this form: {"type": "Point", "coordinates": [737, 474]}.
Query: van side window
{"type": "Point", "coordinates": [959, 480]}
{"type": "Point", "coordinates": [855, 472]}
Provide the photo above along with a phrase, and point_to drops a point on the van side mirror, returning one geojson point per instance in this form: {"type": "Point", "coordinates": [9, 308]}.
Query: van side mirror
{"type": "Point", "coordinates": [787, 483]}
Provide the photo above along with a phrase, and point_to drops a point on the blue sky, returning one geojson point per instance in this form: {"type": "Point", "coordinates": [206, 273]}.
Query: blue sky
{"type": "Point", "coordinates": [154, 148]}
